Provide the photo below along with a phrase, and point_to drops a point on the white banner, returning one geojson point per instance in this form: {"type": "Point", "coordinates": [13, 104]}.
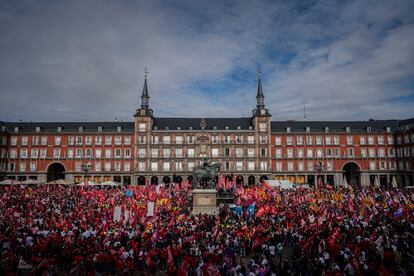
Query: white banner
{"type": "Point", "coordinates": [117, 213]}
{"type": "Point", "coordinates": [150, 208]}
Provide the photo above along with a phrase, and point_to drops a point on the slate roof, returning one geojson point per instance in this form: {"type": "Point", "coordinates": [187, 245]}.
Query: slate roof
{"type": "Point", "coordinates": [186, 123]}
{"type": "Point", "coordinates": [68, 127]}
{"type": "Point", "coordinates": [335, 126]}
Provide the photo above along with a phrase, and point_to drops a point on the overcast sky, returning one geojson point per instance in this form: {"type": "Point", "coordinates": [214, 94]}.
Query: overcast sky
{"type": "Point", "coordinates": [84, 60]}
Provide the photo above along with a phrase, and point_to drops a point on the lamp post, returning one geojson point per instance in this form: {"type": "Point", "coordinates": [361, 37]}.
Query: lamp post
{"type": "Point", "coordinates": [86, 168]}
{"type": "Point", "coordinates": [319, 169]}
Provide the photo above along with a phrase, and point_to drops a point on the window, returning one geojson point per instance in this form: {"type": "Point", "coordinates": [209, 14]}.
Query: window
{"type": "Point", "coordinates": [372, 165]}
{"type": "Point", "coordinates": [383, 165]}
{"type": "Point", "coordinates": [250, 139]}
{"type": "Point", "coordinates": [318, 140]}
{"type": "Point", "coordinates": [391, 152]}
{"type": "Point", "coordinates": [390, 140]}
{"type": "Point", "coordinates": [98, 153]}
{"type": "Point", "coordinates": [142, 127]}
{"type": "Point", "coordinates": [288, 129]}
{"type": "Point", "coordinates": [34, 153]}
{"type": "Point", "coordinates": [154, 153]}
{"type": "Point", "coordinates": [278, 153]}
{"type": "Point", "coordinates": [99, 129]}
{"type": "Point", "coordinates": [142, 152]}
{"type": "Point", "coordinates": [370, 140]}
{"type": "Point", "coordinates": [166, 140]}
{"type": "Point", "coordinates": [117, 166]}
{"type": "Point", "coordinates": [279, 166]}
{"type": "Point", "coordinates": [88, 140]}
{"type": "Point", "coordinates": [214, 139]}
{"type": "Point", "coordinates": [307, 129]}
{"type": "Point", "coordinates": [310, 166]}
{"type": "Point", "coordinates": [25, 141]}
{"type": "Point", "coordinates": [78, 153]}
{"type": "Point", "coordinates": [166, 166]}
{"type": "Point", "coordinates": [14, 141]}
{"type": "Point", "coordinates": [363, 152]}
{"type": "Point", "coordinates": [56, 152]}
{"type": "Point", "coordinates": [79, 140]}
{"type": "Point", "coordinates": [179, 140]}
{"type": "Point", "coordinates": [80, 129]}
{"type": "Point", "coordinates": [190, 139]}
{"type": "Point", "coordinates": [362, 140]}
{"type": "Point", "coordinates": [381, 152]}
{"type": "Point", "coordinates": [33, 167]}
{"type": "Point", "coordinates": [127, 153]}
{"type": "Point", "coordinates": [97, 166]}
{"type": "Point", "coordinates": [239, 166]}
{"type": "Point", "coordinates": [119, 129]}
{"type": "Point", "coordinates": [326, 129]}
{"type": "Point", "coordinates": [23, 153]}
{"type": "Point", "coordinates": [289, 140]}
{"type": "Point", "coordinates": [178, 166]}
{"type": "Point", "coordinates": [348, 129]}
{"type": "Point", "coordinates": [299, 140]}
{"type": "Point", "coordinates": [127, 140]}
{"type": "Point", "coordinates": [43, 153]}
{"type": "Point", "coordinates": [35, 140]}
{"type": "Point", "coordinates": [262, 127]}
{"type": "Point", "coordinates": [108, 153]}
{"type": "Point", "coordinates": [371, 152]}
{"type": "Point", "coordinates": [154, 139]}
{"type": "Point", "coordinates": [227, 166]}
{"type": "Point", "coordinates": [22, 166]}
{"type": "Point", "coordinates": [13, 153]}
{"type": "Point", "coordinates": [141, 139]}
{"type": "Point", "coordinates": [118, 153]}
{"type": "Point", "coordinates": [328, 152]}
{"type": "Point", "coordinates": [214, 152]}
{"type": "Point", "coordinates": [350, 152]}
{"type": "Point", "coordinates": [107, 166]}
{"type": "Point", "coordinates": [290, 166]}
{"type": "Point", "coordinates": [278, 140]}
{"type": "Point", "coordinates": [319, 153]}
{"type": "Point", "coordinates": [88, 153]}
{"type": "Point", "coordinates": [108, 140]}
{"type": "Point", "coordinates": [329, 165]}
{"type": "Point", "coordinates": [309, 153]}
{"type": "Point", "coordinates": [393, 165]}
{"type": "Point", "coordinates": [380, 140]}
{"type": "Point", "coordinates": [300, 166]}
{"type": "Point", "coordinates": [98, 140]}
{"type": "Point", "coordinates": [57, 140]}
{"type": "Point", "coordinates": [190, 166]}
{"type": "Point", "coordinates": [263, 165]}
{"type": "Point", "coordinates": [300, 153]}
{"type": "Point", "coordinates": [190, 152]}
{"type": "Point", "coordinates": [239, 139]}
{"type": "Point", "coordinates": [226, 139]}
{"type": "Point", "coordinates": [250, 166]}
{"type": "Point", "coordinates": [349, 140]}
{"type": "Point", "coordinates": [141, 166]}
{"type": "Point", "coordinates": [309, 140]}
{"type": "Point", "coordinates": [290, 153]}
{"type": "Point", "coordinates": [337, 152]}
{"type": "Point", "coordinates": [118, 140]}
{"type": "Point", "coordinates": [239, 152]}
{"type": "Point", "coordinates": [369, 129]}
{"type": "Point", "coordinates": [263, 139]}
{"type": "Point", "coordinates": [336, 140]}
{"type": "Point", "coordinates": [250, 152]}
{"type": "Point", "coordinates": [328, 140]}
{"type": "Point", "coordinates": [166, 153]}
{"type": "Point", "coordinates": [16, 129]}
{"type": "Point", "coordinates": [263, 153]}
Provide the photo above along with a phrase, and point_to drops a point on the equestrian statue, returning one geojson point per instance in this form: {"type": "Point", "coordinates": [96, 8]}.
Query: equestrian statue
{"type": "Point", "coordinates": [204, 176]}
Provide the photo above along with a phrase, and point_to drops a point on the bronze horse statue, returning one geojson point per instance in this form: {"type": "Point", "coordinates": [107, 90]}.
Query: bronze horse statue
{"type": "Point", "coordinates": [205, 174]}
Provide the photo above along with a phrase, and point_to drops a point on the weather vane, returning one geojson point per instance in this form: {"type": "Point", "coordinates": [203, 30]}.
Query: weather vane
{"type": "Point", "coordinates": [146, 71]}
{"type": "Point", "coordinates": [259, 72]}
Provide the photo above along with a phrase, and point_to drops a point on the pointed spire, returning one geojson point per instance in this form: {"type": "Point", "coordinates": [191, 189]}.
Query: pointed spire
{"type": "Point", "coordinates": [260, 95]}
{"type": "Point", "coordinates": [145, 96]}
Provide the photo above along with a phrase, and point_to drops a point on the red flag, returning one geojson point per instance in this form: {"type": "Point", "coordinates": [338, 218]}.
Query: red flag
{"type": "Point", "coordinates": [185, 265]}
{"type": "Point", "coordinates": [260, 212]}
{"type": "Point", "coordinates": [210, 269]}
{"type": "Point", "coordinates": [171, 224]}
{"type": "Point", "coordinates": [170, 261]}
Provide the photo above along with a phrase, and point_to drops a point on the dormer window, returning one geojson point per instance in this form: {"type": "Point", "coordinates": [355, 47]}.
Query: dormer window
{"type": "Point", "coordinates": [119, 129]}
{"type": "Point", "coordinates": [250, 127]}
{"type": "Point", "coordinates": [226, 127]}
{"type": "Point", "coordinates": [167, 128]}
{"type": "Point", "coordinates": [80, 129]}
{"type": "Point", "coordinates": [155, 128]}
{"type": "Point", "coordinates": [238, 127]}
{"type": "Point", "coordinates": [99, 129]}
{"type": "Point", "coordinates": [326, 129]}
{"type": "Point", "coordinates": [3, 128]}
{"type": "Point", "coordinates": [16, 129]}
{"type": "Point", "coordinates": [214, 127]}
{"type": "Point", "coordinates": [368, 129]}
{"type": "Point", "coordinates": [37, 129]}
{"type": "Point", "coordinates": [388, 129]}
{"type": "Point", "coordinates": [59, 129]}
{"type": "Point", "coordinates": [190, 128]}
{"type": "Point", "coordinates": [288, 129]}
{"type": "Point", "coordinates": [347, 129]}
{"type": "Point", "coordinates": [307, 129]}
{"type": "Point", "coordinates": [178, 128]}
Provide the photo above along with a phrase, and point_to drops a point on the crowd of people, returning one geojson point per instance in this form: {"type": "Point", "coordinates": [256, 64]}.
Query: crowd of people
{"type": "Point", "coordinates": [148, 230]}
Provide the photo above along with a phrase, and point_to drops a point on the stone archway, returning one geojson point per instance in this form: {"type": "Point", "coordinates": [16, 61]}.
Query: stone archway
{"type": "Point", "coordinates": [141, 180]}
{"type": "Point", "coordinates": [154, 180]}
{"type": "Point", "coordinates": [352, 173]}
{"type": "Point", "coordinates": [55, 171]}
{"type": "Point", "coordinates": [178, 179]}
{"type": "Point", "coordinates": [263, 178]}
{"type": "Point", "coordinates": [251, 180]}
{"type": "Point", "coordinates": [166, 180]}
{"type": "Point", "coordinates": [239, 180]}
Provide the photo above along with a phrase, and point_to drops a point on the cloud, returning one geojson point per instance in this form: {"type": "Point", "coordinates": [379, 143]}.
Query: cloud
{"type": "Point", "coordinates": [77, 60]}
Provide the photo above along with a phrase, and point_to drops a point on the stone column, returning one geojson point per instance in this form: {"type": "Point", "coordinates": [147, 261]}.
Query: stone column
{"type": "Point", "coordinates": [365, 180]}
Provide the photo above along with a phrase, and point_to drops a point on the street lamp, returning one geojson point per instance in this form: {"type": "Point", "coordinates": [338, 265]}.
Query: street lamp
{"type": "Point", "coordinates": [319, 169]}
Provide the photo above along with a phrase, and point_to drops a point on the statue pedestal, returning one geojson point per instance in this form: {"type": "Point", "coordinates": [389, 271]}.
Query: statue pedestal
{"type": "Point", "coordinates": [204, 201]}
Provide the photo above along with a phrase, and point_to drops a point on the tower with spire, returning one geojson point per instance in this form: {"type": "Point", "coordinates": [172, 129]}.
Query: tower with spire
{"type": "Point", "coordinates": [144, 110]}
{"type": "Point", "coordinates": [260, 106]}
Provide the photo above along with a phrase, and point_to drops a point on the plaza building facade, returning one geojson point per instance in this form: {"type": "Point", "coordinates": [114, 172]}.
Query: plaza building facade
{"type": "Point", "coordinates": [153, 149]}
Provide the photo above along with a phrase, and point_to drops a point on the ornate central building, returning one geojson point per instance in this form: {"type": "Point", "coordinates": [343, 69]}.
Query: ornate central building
{"type": "Point", "coordinates": [154, 150]}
